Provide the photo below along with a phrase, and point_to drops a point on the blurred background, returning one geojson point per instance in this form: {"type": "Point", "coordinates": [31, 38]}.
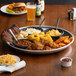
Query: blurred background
{"type": "Point", "coordinates": [64, 2]}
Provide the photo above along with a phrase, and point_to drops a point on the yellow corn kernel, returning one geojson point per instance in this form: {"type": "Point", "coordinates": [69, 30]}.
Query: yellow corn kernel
{"type": "Point", "coordinates": [36, 35]}
{"type": "Point", "coordinates": [47, 35]}
{"type": "Point", "coordinates": [49, 38]}
{"type": "Point", "coordinates": [36, 38]}
{"type": "Point", "coordinates": [31, 37]}
{"type": "Point", "coordinates": [42, 37]}
{"type": "Point", "coordinates": [42, 33]}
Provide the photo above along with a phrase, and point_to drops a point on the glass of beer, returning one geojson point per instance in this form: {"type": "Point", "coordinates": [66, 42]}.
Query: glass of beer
{"type": "Point", "coordinates": [31, 11]}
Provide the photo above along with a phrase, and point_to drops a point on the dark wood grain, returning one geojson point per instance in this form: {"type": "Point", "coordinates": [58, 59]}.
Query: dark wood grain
{"type": "Point", "coordinates": [64, 2]}
{"type": "Point", "coordinates": [42, 65]}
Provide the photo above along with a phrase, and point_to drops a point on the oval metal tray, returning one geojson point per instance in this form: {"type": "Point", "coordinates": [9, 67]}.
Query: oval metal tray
{"type": "Point", "coordinates": [66, 33]}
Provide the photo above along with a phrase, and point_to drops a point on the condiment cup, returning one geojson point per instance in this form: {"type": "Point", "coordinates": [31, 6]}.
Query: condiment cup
{"type": "Point", "coordinates": [66, 61]}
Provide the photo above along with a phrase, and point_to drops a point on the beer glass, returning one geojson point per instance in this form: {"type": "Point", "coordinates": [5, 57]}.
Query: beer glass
{"type": "Point", "coordinates": [31, 11]}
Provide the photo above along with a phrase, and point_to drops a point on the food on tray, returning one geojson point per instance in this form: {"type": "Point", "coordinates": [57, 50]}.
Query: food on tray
{"type": "Point", "coordinates": [32, 30]}
{"type": "Point", "coordinates": [35, 40]}
{"type": "Point", "coordinates": [39, 36]}
{"type": "Point", "coordinates": [23, 43]}
{"type": "Point", "coordinates": [45, 44]}
{"type": "Point", "coordinates": [19, 7]}
{"type": "Point", "coordinates": [37, 45]}
{"type": "Point", "coordinates": [7, 59]}
{"type": "Point", "coordinates": [15, 29]}
{"type": "Point", "coordinates": [42, 45]}
{"type": "Point", "coordinates": [61, 44]}
{"type": "Point", "coordinates": [6, 35]}
{"type": "Point", "coordinates": [71, 38]}
{"type": "Point", "coordinates": [53, 32]}
{"type": "Point", "coordinates": [64, 39]}
{"type": "Point", "coordinates": [22, 35]}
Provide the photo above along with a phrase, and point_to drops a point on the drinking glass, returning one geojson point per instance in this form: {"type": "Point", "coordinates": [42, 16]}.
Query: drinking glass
{"type": "Point", "coordinates": [31, 11]}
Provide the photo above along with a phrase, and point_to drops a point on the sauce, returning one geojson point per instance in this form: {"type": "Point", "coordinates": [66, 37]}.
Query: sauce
{"type": "Point", "coordinates": [66, 60]}
{"type": "Point", "coordinates": [23, 43]}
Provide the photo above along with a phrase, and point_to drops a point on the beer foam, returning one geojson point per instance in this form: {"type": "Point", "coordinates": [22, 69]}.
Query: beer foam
{"type": "Point", "coordinates": [31, 6]}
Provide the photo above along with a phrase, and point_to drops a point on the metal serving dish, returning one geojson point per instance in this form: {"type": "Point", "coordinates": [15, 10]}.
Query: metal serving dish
{"type": "Point", "coordinates": [56, 37]}
{"type": "Point", "coordinates": [66, 33]}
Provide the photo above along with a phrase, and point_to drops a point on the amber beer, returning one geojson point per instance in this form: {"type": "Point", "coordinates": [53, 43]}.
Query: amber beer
{"type": "Point", "coordinates": [31, 11]}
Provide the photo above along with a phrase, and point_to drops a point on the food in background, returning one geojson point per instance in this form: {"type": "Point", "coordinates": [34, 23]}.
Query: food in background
{"type": "Point", "coordinates": [7, 59]}
{"type": "Point", "coordinates": [11, 6]}
{"type": "Point", "coordinates": [32, 30]}
{"type": "Point", "coordinates": [10, 11]}
{"type": "Point", "coordinates": [19, 7]}
{"type": "Point", "coordinates": [53, 32]}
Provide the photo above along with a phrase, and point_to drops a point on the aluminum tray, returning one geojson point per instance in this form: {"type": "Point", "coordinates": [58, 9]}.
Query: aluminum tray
{"type": "Point", "coordinates": [66, 33]}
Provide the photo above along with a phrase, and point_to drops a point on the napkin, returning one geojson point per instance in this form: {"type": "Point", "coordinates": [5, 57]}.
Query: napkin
{"type": "Point", "coordinates": [74, 13]}
{"type": "Point", "coordinates": [13, 67]}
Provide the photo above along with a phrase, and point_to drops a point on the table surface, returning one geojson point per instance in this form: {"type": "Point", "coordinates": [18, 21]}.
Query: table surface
{"type": "Point", "coordinates": [42, 65]}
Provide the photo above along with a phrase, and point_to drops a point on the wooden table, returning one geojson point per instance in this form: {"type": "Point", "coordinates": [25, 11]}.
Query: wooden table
{"type": "Point", "coordinates": [42, 65]}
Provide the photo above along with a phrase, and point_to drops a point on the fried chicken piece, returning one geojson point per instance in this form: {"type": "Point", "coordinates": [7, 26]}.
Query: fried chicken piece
{"type": "Point", "coordinates": [47, 48]}
{"type": "Point", "coordinates": [61, 44]}
{"type": "Point", "coordinates": [33, 46]}
{"type": "Point", "coordinates": [48, 43]}
{"type": "Point", "coordinates": [37, 46]}
{"type": "Point", "coordinates": [45, 42]}
{"type": "Point", "coordinates": [53, 45]}
{"type": "Point", "coordinates": [29, 48]}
